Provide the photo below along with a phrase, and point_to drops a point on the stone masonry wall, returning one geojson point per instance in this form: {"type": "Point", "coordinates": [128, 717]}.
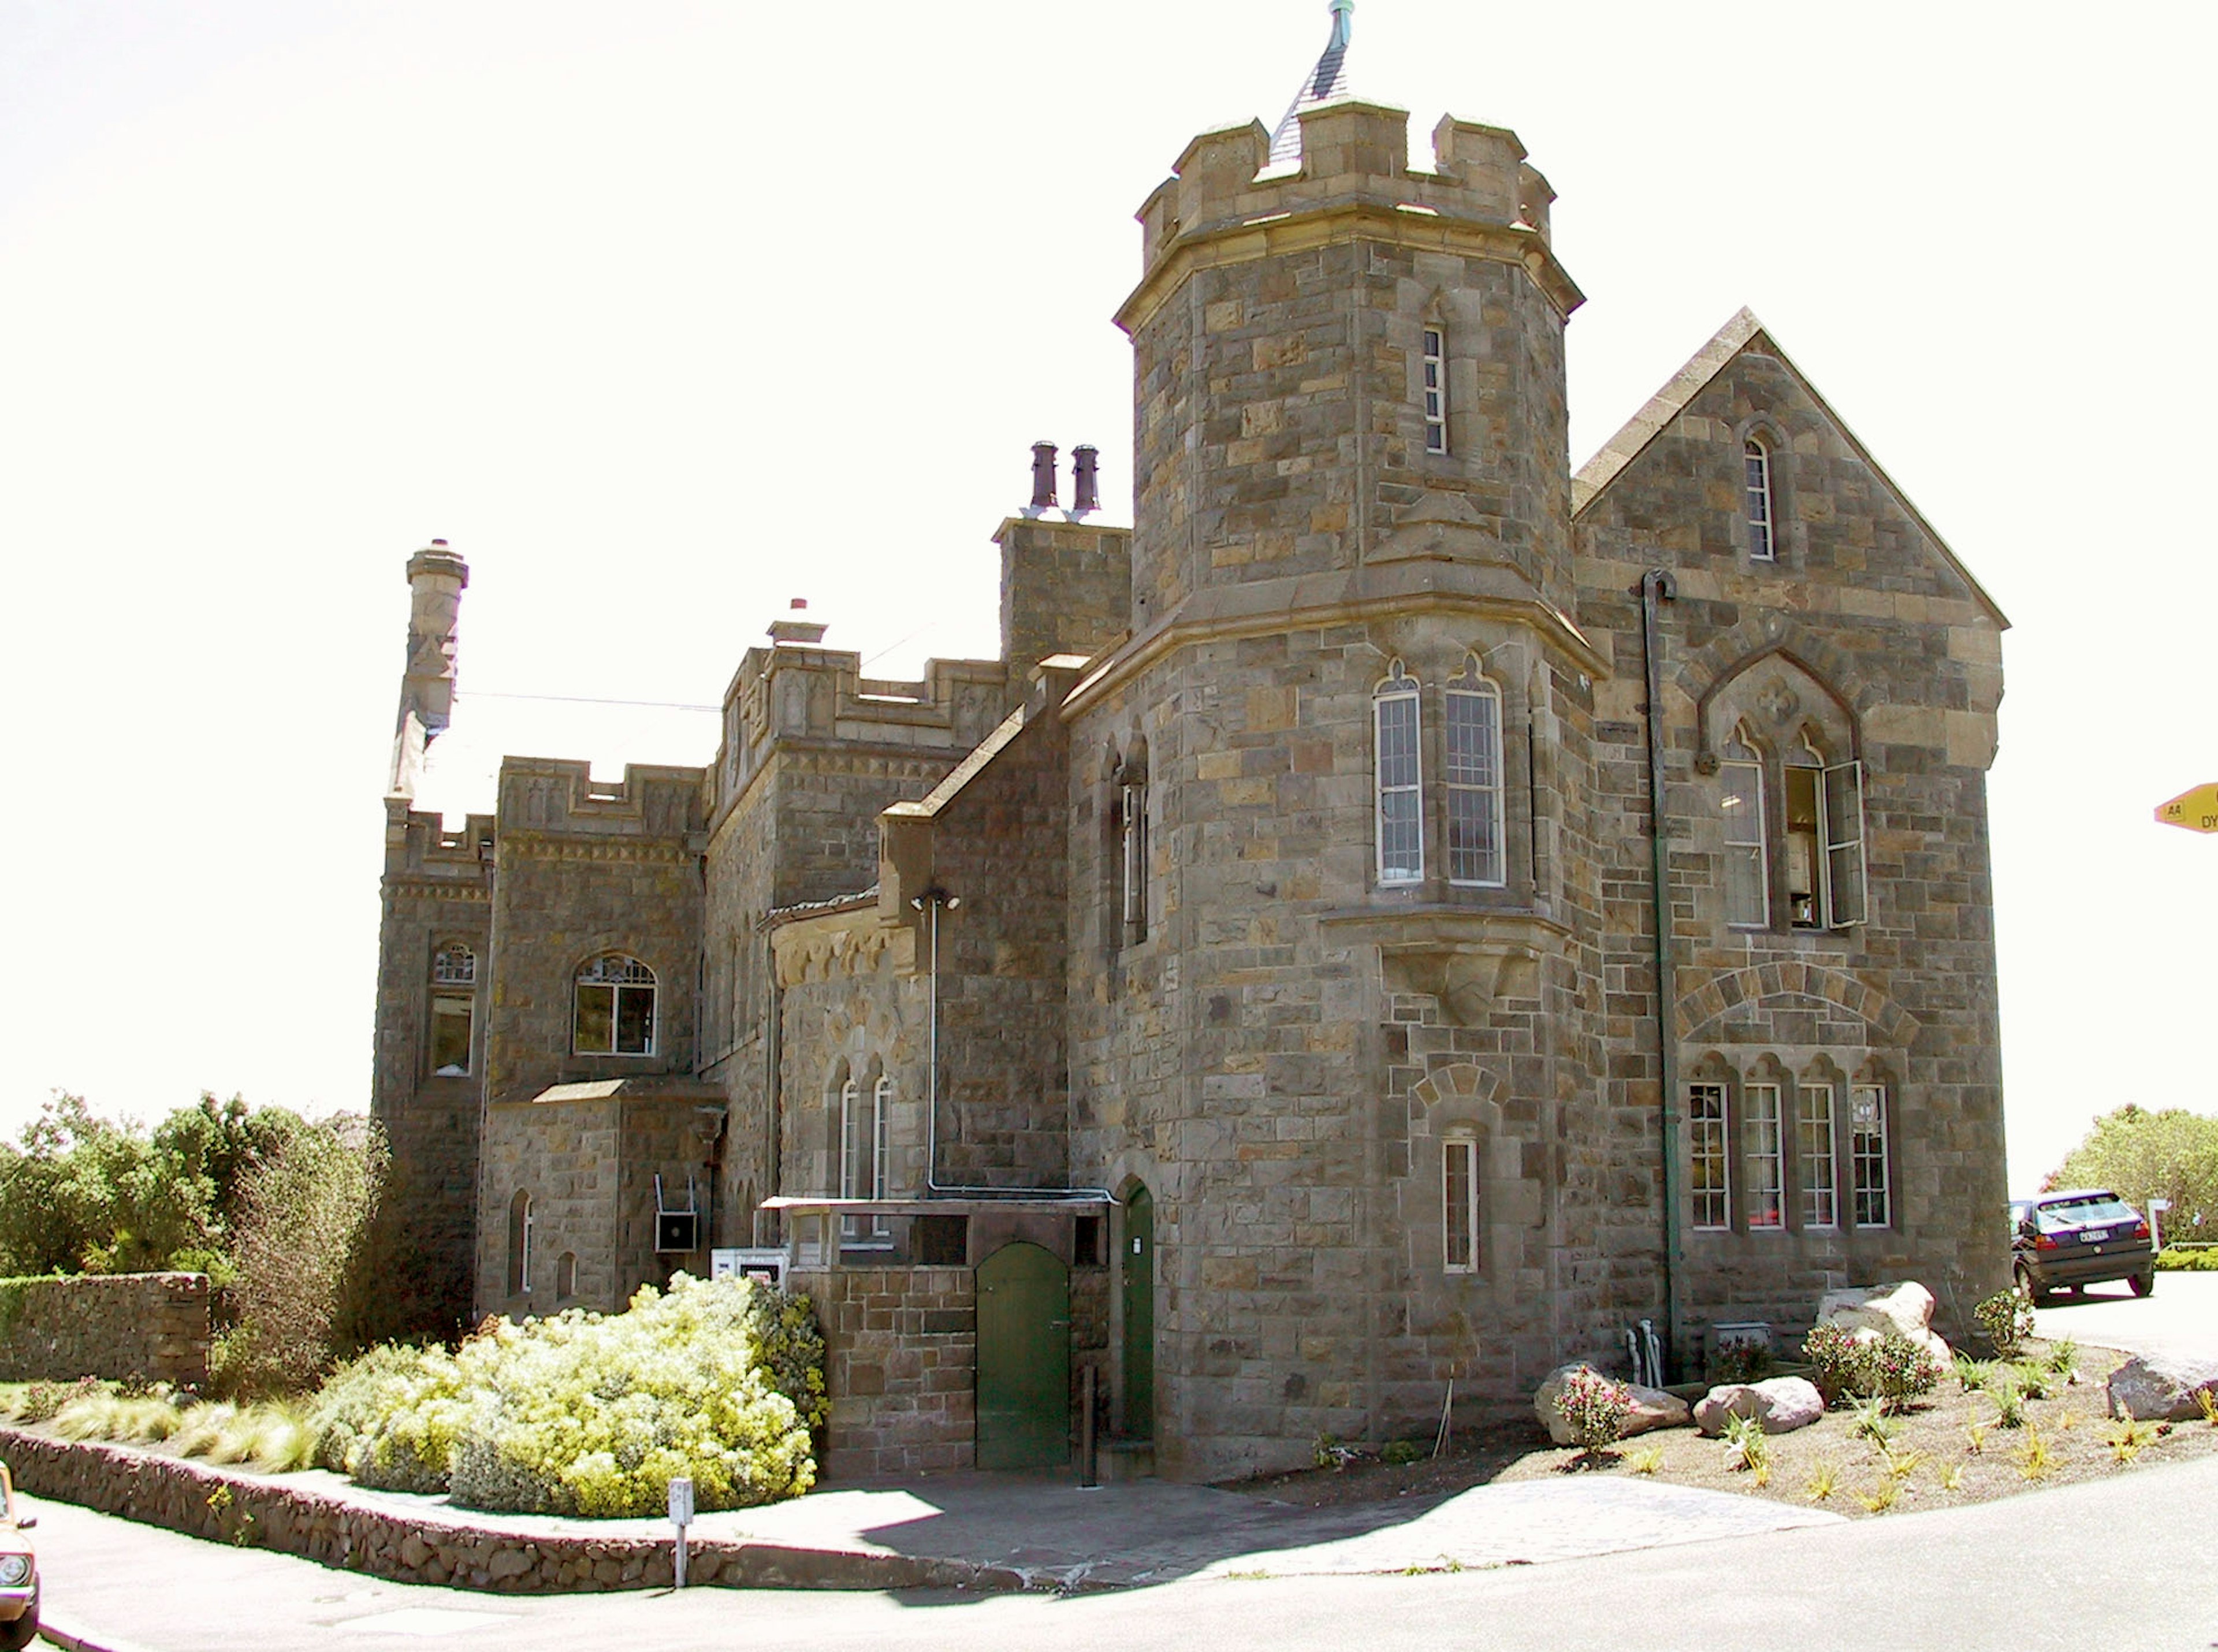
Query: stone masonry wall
{"type": "Point", "coordinates": [126, 1326]}
{"type": "Point", "coordinates": [900, 1364]}
{"type": "Point", "coordinates": [321, 1518]}
{"type": "Point", "coordinates": [1863, 641]}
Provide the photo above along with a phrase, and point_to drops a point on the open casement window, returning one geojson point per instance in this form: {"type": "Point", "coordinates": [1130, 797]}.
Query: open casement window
{"type": "Point", "coordinates": [1748, 861]}
{"type": "Point", "coordinates": [1868, 1202]}
{"type": "Point", "coordinates": [863, 1125]}
{"type": "Point", "coordinates": [1756, 465]}
{"type": "Point", "coordinates": [1434, 388]}
{"type": "Point", "coordinates": [615, 1007]}
{"type": "Point", "coordinates": [1474, 780]}
{"type": "Point", "coordinates": [1709, 1198]}
{"type": "Point", "coordinates": [1813, 1145]}
{"type": "Point", "coordinates": [1400, 780]}
{"type": "Point", "coordinates": [1460, 1204]}
{"type": "Point", "coordinates": [1767, 1182]}
{"type": "Point", "coordinates": [1827, 885]}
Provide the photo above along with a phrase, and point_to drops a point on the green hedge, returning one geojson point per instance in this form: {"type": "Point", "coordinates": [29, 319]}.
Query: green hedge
{"type": "Point", "coordinates": [591, 1414]}
{"type": "Point", "coordinates": [2194, 1261]}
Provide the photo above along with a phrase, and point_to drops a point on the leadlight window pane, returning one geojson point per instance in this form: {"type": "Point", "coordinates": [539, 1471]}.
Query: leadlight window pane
{"type": "Point", "coordinates": [1474, 787]}
{"type": "Point", "coordinates": [1707, 1156]}
{"type": "Point", "coordinates": [1868, 1156]}
{"type": "Point", "coordinates": [1740, 801]}
{"type": "Point", "coordinates": [1814, 1144]}
{"type": "Point", "coordinates": [1758, 464]}
{"type": "Point", "coordinates": [1401, 828]}
{"type": "Point", "coordinates": [1766, 1185]}
{"type": "Point", "coordinates": [1435, 387]}
{"type": "Point", "coordinates": [454, 965]}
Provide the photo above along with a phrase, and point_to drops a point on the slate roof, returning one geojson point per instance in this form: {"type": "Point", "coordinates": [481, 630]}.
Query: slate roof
{"type": "Point", "coordinates": [1328, 81]}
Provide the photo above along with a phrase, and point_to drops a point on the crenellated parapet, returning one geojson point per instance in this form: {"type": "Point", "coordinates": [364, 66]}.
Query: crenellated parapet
{"type": "Point", "coordinates": [422, 854]}
{"type": "Point", "coordinates": [559, 797]}
{"type": "Point", "coordinates": [1221, 204]}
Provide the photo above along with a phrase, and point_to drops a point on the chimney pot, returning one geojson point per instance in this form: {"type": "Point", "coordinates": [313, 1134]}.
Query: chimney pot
{"type": "Point", "coordinates": [1086, 485]}
{"type": "Point", "coordinates": [1042, 475]}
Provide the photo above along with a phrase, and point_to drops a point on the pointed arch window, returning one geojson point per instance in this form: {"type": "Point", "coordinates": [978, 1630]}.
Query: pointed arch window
{"type": "Point", "coordinates": [863, 1143]}
{"type": "Point", "coordinates": [1756, 463]}
{"type": "Point", "coordinates": [519, 1244]}
{"type": "Point", "coordinates": [1474, 780]}
{"type": "Point", "coordinates": [1748, 870]}
{"type": "Point", "coordinates": [1131, 781]}
{"type": "Point", "coordinates": [1869, 1193]}
{"type": "Point", "coordinates": [1767, 1179]}
{"type": "Point", "coordinates": [1708, 1191]}
{"type": "Point", "coordinates": [615, 1007]}
{"type": "Point", "coordinates": [1813, 1140]}
{"type": "Point", "coordinates": [1400, 775]}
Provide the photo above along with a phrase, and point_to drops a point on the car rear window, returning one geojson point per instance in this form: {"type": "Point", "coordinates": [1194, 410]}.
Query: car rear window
{"type": "Point", "coordinates": [2077, 1213]}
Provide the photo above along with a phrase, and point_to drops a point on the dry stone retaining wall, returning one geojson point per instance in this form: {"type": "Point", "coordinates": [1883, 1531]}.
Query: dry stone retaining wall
{"type": "Point", "coordinates": [128, 1327]}
{"type": "Point", "coordinates": [316, 1516]}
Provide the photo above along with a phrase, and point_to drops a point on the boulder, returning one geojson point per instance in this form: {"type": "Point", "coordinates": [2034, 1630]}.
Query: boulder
{"type": "Point", "coordinates": [2161, 1387]}
{"type": "Point", "coordinates": [1781, 1404]}
{"type": "Point", "coordinates": [1905, 1309]}
{"type": "Point", "coordinates": [1652, 1406]}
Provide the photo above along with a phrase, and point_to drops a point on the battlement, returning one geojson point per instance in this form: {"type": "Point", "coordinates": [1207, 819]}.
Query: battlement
{"type": "Point", "coordinates": [1225, 200]}
{"type": "Point", "coordinates": [559, 796]}
{"type": "Point", "coordinates": [419, 845]}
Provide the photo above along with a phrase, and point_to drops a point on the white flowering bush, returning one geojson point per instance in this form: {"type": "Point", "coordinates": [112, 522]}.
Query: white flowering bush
{"type": "Point", "coordinates": [592, 1414]}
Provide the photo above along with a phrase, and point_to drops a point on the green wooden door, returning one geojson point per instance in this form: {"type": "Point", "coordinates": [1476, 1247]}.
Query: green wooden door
{"type": "Point", "coordinates": [1023, 1359]}
{"type": "Point", "coordinates": [1139, 1261]}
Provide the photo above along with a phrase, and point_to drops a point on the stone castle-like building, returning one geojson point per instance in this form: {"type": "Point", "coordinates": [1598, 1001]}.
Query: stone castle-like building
{"type": "Point", "coordinates": [1397, 914]}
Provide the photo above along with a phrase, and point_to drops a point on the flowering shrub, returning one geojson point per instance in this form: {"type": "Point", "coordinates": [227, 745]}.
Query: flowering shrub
{"type": "Point", "coordinates": [1849, 1366]}
{"type": "Point", "coordinates": [591, 1414]}
{"type": "Point", "coordinates": [2006, 1319]}
{"type": "Point", "coordinates": [1594, 1408]}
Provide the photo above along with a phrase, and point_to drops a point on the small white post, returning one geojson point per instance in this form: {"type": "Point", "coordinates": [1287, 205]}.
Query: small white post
{"type": "Point", "coordinates": [2157, 1207]}
{"type": "Point", "coordinates": [681, 1516]}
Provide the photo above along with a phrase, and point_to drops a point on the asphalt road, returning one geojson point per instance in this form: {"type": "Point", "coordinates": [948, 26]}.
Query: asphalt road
{"type": "Point", "coordinates": [2113, 1564]}
{"type": "Point", "coordinates": [2182, 1315]}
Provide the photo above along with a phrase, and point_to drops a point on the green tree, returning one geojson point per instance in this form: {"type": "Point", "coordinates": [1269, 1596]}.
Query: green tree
{"type": "Point", "coordinates": [301, 1297]}
{"type": "Point", "coordinates": [2139, 1155]}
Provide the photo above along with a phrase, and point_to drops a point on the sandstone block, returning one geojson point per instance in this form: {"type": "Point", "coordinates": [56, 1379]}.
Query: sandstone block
{"type": "Point", "coordinates": [1905, 1309]}
{"type": "Point", "coordinates": [1781, 1404]}
{"type": "Point", "coordinates": [2162, 1387]}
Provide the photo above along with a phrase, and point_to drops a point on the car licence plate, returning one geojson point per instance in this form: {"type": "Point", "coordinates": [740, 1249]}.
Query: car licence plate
{"type": "Point", "coordinates": [2094, 1236]}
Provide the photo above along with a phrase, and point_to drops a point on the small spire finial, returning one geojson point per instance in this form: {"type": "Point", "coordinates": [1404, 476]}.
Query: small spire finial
{"type": "Point", "coordinates": [1324, 82]}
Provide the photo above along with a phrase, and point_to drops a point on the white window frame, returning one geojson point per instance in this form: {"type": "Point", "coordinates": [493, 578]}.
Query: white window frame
{"type": "Point", "coordinates": [1459, 1252]}
{"type": "Point", "coordinates": [1402, 785]}
{"type": "Point", "coordinates": [1741, 800]}
{"type": "Point", "coordinates": [1815, 1164]}
{"type": "Point", "coordinates": [1433, 385]}
{"type": "Point", "coordinates": [1709, 1159]}
{"type": "Point", "coordinates": [1474, 776]}
{"type": "Point", "coordinates": [863, 1154]}
{"type": "Point", "coordinates": [453, 965]}
{"type": "Point", "coordinates": [1842, 899]}
{"type": "Point", "coordinates": [1767, 1157]}
{"type": "Point", "coordinates": [1758, 501]}
{"type": "Point", "coordinates": [519, 1244]}
{"type": "Point", "coordinates": [621, 974]}
{"type": "Point", "coordinates": [1871, 1193]}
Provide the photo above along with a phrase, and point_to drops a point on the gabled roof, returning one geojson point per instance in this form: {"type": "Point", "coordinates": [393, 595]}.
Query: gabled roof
{"type": "Point", "coordinates": [1663, 408]}
{"type": "Point", "coordinates": [1328, 81]}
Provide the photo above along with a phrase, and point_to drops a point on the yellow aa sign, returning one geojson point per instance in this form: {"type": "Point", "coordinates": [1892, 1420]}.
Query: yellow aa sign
{"type": "Point", "coordinates": [2196, 810]}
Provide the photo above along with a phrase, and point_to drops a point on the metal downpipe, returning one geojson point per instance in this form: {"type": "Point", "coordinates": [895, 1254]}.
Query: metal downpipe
{"type": "Point", "coordinates": [1658, 587]}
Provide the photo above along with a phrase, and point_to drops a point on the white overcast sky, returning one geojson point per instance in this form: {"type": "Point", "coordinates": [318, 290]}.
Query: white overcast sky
{"type": "Point", "coordinates": [665, 314]}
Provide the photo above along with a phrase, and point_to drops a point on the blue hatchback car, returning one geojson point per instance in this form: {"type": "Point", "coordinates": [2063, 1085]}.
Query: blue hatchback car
{"type": "Point", "coordinates": [2069, 1240]}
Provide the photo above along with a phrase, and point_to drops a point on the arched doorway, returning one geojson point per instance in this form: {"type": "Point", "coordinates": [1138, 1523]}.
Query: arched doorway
{"type": "Point", "coordinates": [1023, 1359]}
{"type": "Point", "coordinates": [1138, 1262]}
